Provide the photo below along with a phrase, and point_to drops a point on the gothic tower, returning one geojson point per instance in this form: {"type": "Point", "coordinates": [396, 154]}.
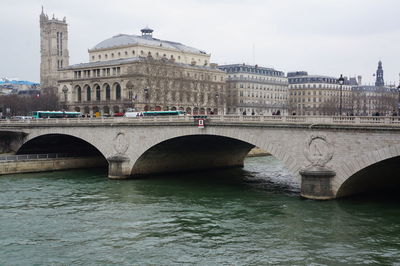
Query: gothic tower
{"type": "Point", "coordinates": [53, 49]}
{"type": "Point", "coordinates": [379, 76]}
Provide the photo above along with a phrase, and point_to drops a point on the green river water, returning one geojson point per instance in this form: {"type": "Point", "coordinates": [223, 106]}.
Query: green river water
{"type": "Point", "coordinates": [250, 216]}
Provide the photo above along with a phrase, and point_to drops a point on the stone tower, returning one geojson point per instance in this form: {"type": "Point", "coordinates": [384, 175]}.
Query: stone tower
{"type": "Point", "coordinates": [379, 76]}
{"type": "Point", "coordinates": [53, 49]}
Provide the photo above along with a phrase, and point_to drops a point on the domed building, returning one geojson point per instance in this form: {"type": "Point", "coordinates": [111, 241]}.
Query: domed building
{"type": "Point", "coordinates": [137, 71]}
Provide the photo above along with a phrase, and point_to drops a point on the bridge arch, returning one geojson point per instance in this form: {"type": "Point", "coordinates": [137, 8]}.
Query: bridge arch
{"type": "Point", "coordinates": [86, 140]}
{"type": "Point", "coordinates": [232, 146]}
{"type": "Point", "coordinates": [192, 152]}
{"type": "Point", "coordinates": [59, 143]}
{"type": "Point", "coordinates": [372, 171]}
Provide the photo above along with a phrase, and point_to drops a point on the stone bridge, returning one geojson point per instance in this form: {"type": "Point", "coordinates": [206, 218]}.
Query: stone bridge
{"type": "Point", "coordinates": [333, 156]}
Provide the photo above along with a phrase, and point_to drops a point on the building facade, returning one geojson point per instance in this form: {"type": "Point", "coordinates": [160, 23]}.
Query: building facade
{"type": "Point", "coordinates": [375, 100]}
{"type": "Point", "coordinates": [255, 90]}
{"type": "Point", "coordinates": [372, 100]}
{"type": "Point", "coordinates": [144, 84]}
{"type": "Point", "coordinates": [131, 71]}
{"type": "Point", "coordinates": [54, 53]}
{"type": "Point", "coordinates": [318, 95]}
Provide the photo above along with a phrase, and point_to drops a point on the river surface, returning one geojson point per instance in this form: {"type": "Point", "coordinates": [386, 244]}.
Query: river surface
{"type": "Point", "coordinates": [250, 216]}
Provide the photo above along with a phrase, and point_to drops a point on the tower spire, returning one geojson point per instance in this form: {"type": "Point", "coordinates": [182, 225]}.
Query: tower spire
{"type": "Point", "coordinates": [379, 75]}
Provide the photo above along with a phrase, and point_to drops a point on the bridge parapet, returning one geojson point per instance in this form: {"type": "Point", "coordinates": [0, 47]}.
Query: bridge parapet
{"type": "Point", "coordinates": [310, 120]}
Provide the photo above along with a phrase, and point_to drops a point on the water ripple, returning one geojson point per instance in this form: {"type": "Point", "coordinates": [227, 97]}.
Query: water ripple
{"type": "Point", "coordinates": [250, 216]}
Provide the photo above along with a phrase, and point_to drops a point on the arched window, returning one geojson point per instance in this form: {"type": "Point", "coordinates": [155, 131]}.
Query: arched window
{"type": "Point", "coordinates": [78, 94]}
{"type": "Point", "coordinates": [88, 94]}
{"type": "Point", "coordinates": [98, 93]}
{"type": "Point", "coordinates": [106, 110]}
{"type": "Point", "coordinates": [108, 92]}
{"type": "Point", "coordinates": [129, 87]}
{"type": "Point", "coordinates": [65, 91]}
{"type": "Point", "coordinates": [118, 92]}
{"type": "Point", "coordinates": [96, 109]}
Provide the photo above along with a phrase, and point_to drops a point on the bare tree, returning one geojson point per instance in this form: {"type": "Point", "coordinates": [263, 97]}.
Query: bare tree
{"type": "Point", "coordinates": [22, 105]}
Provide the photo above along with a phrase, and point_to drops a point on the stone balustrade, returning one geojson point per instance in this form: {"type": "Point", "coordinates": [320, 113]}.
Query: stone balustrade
{"type": "Point", "coordinates": [312, 120]}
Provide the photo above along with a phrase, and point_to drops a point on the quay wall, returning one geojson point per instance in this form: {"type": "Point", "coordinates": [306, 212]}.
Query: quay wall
{"type": "Point", "coordinates": [257, 152]}
{"type": "Point", "coordinates": [45, 165]}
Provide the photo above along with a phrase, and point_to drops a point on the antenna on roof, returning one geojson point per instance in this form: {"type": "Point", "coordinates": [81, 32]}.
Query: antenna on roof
{"type": "Point", "coordinates": [254, 54]}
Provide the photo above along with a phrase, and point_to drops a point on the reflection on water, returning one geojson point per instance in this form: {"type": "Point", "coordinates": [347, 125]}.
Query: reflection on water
{"type": "Point", "coordinates": [237, 216]}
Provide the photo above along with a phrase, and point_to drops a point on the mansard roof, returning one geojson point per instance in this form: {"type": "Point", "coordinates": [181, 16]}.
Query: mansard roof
{"type": "Point", "coordinates": [126, 40]}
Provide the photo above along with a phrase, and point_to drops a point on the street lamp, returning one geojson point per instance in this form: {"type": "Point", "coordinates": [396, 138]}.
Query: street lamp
{"type": "Point", "coordinates": [398, 101]}
{"type": "Point", "coordinates": [217, 98]}
{"type": "Point", "coordinates": [340, 81]}
{"type": "Point", "coordinates": [146, 97]}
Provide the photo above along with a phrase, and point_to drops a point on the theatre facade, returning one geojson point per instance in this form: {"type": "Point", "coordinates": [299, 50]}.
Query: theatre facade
{"type": "Point", "coordinates": [131, 71]}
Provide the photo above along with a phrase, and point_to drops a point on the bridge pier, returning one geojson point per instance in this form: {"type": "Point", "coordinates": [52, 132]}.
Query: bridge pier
{"type": "Point", "coordinates": [118, 167]}
{"type": "Point", "coordinates": [316, 183]}
{"type": "Point", "coordinates": [10, 142]}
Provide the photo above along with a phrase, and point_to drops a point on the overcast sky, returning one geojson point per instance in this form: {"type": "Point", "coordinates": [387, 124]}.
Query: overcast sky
{"type": "Point", "coordinates": [327, 37]}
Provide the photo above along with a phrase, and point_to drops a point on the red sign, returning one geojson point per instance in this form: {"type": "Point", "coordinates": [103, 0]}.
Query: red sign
{"type": "Point", "coordinates": [200, 123]}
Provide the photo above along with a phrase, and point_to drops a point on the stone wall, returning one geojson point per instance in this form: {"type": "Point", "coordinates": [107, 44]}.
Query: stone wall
{"type": "Point", "coordinates": [43, 165]}
{"type": "Point", "coordinates": [257, 152]}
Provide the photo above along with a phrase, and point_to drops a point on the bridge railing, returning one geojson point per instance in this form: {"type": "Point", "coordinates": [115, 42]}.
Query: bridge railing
{"type": "Point", "coordinates": [342, 120]}
{"type": "Point", "coordinates": [24, 157]}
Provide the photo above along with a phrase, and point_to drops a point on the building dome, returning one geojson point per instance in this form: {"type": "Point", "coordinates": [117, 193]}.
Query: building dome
{"type": "Point", "coordinates": [122, 40]}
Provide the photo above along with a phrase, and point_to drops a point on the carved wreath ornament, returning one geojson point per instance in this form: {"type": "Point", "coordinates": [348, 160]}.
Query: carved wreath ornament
{"type": "Point", "coordinates": [318, 150]}
{"type": "Point", "coordinates": [120, 143]}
